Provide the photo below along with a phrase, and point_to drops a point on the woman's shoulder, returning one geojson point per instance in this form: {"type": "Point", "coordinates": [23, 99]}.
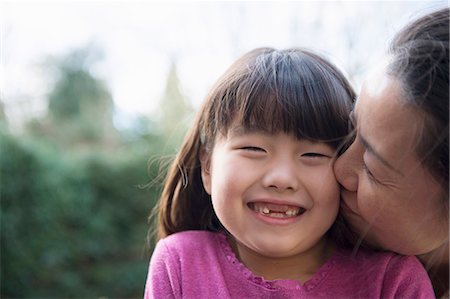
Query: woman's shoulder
{"type": "Point", "coordinates": [396, 275]}
{"type": "Point", "coordinates": [384, 262]}
{"type": "Point", "coordinates": [369, 256]}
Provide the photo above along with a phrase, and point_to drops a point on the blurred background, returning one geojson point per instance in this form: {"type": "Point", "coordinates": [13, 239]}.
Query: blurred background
{"type": "Point", "coordinates": [95, 98]}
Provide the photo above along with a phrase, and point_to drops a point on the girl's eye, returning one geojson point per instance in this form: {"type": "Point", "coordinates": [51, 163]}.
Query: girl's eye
{"type": "Point", "coordinates": [314, 155]}
{"type": "Point", "coordinates": [252, 149]}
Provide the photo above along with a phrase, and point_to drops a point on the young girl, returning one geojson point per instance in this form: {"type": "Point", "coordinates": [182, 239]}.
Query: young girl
{"type": "Point", "coordinates": [249, 201]}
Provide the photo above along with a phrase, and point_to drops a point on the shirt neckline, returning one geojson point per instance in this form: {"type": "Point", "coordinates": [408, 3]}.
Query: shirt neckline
{"type": "Point", "coordinates": [278, 284]}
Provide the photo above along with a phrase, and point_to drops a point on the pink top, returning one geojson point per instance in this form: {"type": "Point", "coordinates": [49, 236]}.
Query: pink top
{"type": "Point", "coordinates": [201, 264]}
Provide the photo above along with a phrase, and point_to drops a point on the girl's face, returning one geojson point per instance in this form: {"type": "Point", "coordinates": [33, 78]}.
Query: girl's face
{"type": "Point", "coordinates": [388, 196]}
{"type": "Point", "coordinates": [275, 194]}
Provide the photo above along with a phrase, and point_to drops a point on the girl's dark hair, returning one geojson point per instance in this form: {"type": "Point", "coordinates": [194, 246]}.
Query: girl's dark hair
{"type": "Point", "coordinates": [293, 91]}
{"type": "Point", "coordinates": [420, 62]}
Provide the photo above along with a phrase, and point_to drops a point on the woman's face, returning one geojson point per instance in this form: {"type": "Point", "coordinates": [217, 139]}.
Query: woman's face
{"type": "Point", "coordinates": [388, 196]}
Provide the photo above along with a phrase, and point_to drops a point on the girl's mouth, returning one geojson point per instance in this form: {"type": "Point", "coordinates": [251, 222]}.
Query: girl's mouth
{"type": "Point", "coordinates": [276, 210]}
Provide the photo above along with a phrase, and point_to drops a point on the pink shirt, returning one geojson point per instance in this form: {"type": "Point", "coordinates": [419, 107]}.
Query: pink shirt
{"type": "Point", "coordinates": [201, 264]}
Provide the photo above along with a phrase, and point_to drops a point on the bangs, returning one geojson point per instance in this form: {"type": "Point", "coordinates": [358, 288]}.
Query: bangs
{"type": "Point", "coordinates": [297, 93]}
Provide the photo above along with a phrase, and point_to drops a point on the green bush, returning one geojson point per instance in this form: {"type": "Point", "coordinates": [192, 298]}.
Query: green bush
{"type": "Point", "coordinates": [73, 226]}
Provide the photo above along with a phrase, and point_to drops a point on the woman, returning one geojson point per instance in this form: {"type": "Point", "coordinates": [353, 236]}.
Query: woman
{"type": "Point", "coordinates": [395, 173]}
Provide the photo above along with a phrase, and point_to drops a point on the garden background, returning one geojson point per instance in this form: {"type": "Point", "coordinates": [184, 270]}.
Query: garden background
{"type": "Point", "coordinates": [95, 98]}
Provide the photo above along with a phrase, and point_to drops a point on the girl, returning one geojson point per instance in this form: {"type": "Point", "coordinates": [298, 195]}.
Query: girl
{"type": "Point", "coordinates": [249, 201]}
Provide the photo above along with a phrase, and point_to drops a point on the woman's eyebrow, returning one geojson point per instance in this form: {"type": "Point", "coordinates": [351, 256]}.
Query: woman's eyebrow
{"type": "Point", "coordinates": [377, 155]}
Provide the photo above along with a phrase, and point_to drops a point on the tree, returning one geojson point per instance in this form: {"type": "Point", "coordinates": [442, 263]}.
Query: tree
{"type": "Point", "coordinates": [175, 110]}
{"type": "Point", "coordinates": [3, 120]}
{"type": "Point", "coordinates": [80, 106]}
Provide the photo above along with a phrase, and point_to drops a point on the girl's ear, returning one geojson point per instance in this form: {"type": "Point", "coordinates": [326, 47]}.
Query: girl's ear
{"type": "Point", "coordinates": [205, 161]}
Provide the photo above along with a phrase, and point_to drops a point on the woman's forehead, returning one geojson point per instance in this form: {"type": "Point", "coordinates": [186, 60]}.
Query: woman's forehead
{"type": "Point", "coordinates": [391, 126]}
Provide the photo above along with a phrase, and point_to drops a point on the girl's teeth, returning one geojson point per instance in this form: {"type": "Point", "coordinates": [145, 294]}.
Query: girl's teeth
{"type": "Point", "coordinates": [290, 212]}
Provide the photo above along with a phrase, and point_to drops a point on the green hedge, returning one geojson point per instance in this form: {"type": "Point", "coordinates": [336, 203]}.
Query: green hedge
{"type": "Point", "coordinates": [73, 226]}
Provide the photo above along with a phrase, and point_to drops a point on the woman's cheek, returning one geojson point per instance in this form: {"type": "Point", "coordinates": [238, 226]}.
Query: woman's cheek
{"type": "Point", "coordinates": [370, 204]}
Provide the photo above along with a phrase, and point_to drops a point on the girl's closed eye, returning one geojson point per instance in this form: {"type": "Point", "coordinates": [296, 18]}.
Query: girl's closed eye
{"type": "Point", "coordinates": [252, 148]}
{"type": "Point", "coordinates": [316, 155]}
{"type": "Point", "coordinates": [251, 151]}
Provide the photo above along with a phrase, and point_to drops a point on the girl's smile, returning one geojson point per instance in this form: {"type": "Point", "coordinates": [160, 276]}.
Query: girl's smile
{"type": "Point", "coordinates": [275, 212]}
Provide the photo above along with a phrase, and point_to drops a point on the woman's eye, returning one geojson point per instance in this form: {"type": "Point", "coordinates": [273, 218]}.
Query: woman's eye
{"type": "Point", "coordinates": [368, 172]}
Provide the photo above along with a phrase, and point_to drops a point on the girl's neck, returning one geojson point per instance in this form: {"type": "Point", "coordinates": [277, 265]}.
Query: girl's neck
{"type": "Point", "coordinates": [299, 267]}
{"type": "Point", "coordinates": [436, 263]}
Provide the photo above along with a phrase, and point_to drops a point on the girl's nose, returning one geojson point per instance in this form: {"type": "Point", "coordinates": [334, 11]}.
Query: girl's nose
{"type": "Point", "coordinates": [347, 167]}
{"type": "Point", "coordinates": [282, 175]}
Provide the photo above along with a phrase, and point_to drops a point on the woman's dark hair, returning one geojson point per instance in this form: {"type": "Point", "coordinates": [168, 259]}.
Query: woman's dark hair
{"type": "Point", "coordinates": [293, 91]}
{"type": "Point", "coordinates": [419, 60]}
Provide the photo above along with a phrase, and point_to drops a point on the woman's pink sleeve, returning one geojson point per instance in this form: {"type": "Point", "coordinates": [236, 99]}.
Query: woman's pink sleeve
{"type": "Point", "coordinates": [406, 278]}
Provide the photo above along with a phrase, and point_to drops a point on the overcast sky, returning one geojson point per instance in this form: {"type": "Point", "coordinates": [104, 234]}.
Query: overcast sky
{"type": "Point", "coordinates": [140, 39]}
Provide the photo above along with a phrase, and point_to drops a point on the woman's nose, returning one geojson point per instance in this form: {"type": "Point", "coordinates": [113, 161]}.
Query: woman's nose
{"type": "Point", "coordinates": [347, 166]}
{"type": "Point", "coordinates": [282, 175]}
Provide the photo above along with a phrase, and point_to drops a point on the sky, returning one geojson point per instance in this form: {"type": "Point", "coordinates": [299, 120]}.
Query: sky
{"type": "Point", "coordinates": [140, 40]}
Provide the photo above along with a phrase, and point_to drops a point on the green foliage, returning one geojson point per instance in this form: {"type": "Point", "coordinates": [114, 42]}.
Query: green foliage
{"type": "Point", "coordinates": [76, 94]}
{"type": "Point", "coordinates": [80, 106]}
{"type": "Point", "coordinates": [175, 110]}
{"type": "Point", "coordinates": [73, 227]}
{"type": "Point", "coordinates": [3, 123]}
{"type": "Point", "coordinates": [76, 193]}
